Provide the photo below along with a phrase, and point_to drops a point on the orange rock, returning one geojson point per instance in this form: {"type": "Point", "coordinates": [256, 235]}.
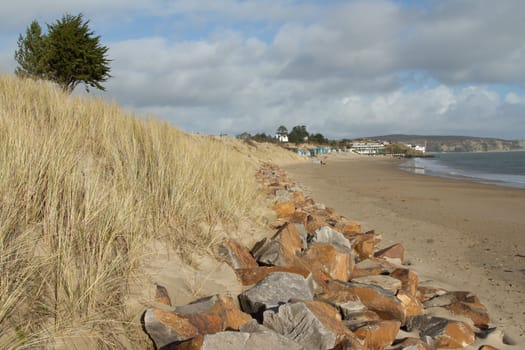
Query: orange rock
{"type": "Point", "coordinates": [413, 307]}
{"type": "Point", "coordinates": [236, 255]}
{"type": "Point", "coordinates": [299, 217]}
{"type": "Point", "coordinates": [375, 298]}
{"type": "Point", "coordinates": [372, 266]}
{"type": "Point", "coordinates": [365, 244]}
{"type": "Point", "coordinates": [425, 293]}
{"type": "Point", "coordinates": [409, 280]}
{"type": "Point", "coordinates": [378, 334]}
{"type": "Point", "coordinates": [289, 238]}
{"type": "Point", "coordinates": [447, 334]}
{"type": "Point", "coordinates": [325, 257]}
{"type": "Point", "coordinates": [298, 198]}
{"type": "Point", "coordinates": [349, 228]}
{"type": "Point", "coordinates": [313, 222]}
{"type": "Point", "coordinates": [477, 312]}
{"type": "Point", "coordinates": [253, 275]}
{"type": "Point", "coordinates": [385, 282]}
{"type": "Point", "coordinates": [284, 209]}
{"type": "Point", "coordinates": [412, 344]}
{"type": "Point", "coordinates": [167, 327]}
{"type": "Point", "coordinates": [396, 251]}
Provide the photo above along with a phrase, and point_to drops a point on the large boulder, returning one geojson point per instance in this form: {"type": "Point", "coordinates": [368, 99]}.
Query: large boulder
{"type": "Point", "coordinates": [380, 300]}
{"type": "Point", "coordinates": [236, 255]}
{"type": "Point", "coordinates": [325, 257]}
{"type": "Point", "coordinates": [385, 282]}
{"type": "Point", "coordinates": [446, 334]}
{"type": "Point", "coordinates": [311, 324]}
{"type": "Point", "coordinates": [255, 274]}
{"type": "Point", "coordinates": [326, 234]}
{"type": "Point", "coordinates": [206, 316]}
{"type": "Point", "coordinates": [275, 289]}
{"type": "Point", "coordinates": [377, 335]}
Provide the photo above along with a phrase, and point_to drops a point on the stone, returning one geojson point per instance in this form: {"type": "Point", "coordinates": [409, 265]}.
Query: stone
{"type": "Point", "coordinates": [240, 341]}
{"type": "Point", "coordinates": [409, 280]}
{"type": "Point", "coordinates": [349, 228]}
{"type": "Point", "coordinates": [284, 209]}
{"type": "Point", "coordinates": [413, 307]}
{"type": "Point", "coordinates": [253, 275]}
{"type": "Point", "coordinates": [385, 282]}
{"type": "Point", "coordinates": [275, 289]}
{"type": "Point", "coordinates": [236, 255]}
{"type": "Point", "coordinates": [207, 316]}
{"type": "Point", "coordinates": [377, 335]}
{"type": "Point", "coordinates": [161, 295]}
{"type": "Point", "coordinates": [282, 196]}
{"type": "Point", "coordinates": [451, 297]}
{"type": "Point", "coordinates": [351, 309]}
{"type": "Point", "coordinates": [487, 347]}
{"type": "Point", "coordinates": [365, 244]}
{"type": "Point", "coordinates": [325, 257]}
{"type": "Point", "coordinates": [411, 344]}
{"type": "Point", "coordinates": [299, 217]}
{"type": "Point", "coordinates": [447, 334]}
{"type": "Point", "coordinates": [396, 251]}
{"type": "Point", "coordinates": [326, 234]}
{"type": "Point", "coordinates": [372, 266]}
{"type": "Point", "coordinates": [314, 222]}
{"type": "Point", "coordinates": [382, 301]}
{"type": "Point", "coordinates": [426, 292]}
{"type": "Point", "coordinates": [313, 325]}
{"type": "Point", "coordinates": [281, 249]}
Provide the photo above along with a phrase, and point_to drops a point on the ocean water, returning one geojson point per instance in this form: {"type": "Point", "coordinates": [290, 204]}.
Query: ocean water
{"type": "Point", "coordinates": [497, 168]}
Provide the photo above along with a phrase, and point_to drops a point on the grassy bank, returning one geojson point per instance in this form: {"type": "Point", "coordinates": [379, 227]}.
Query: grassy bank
{"type": "Point", "coordinates": [84, 186]}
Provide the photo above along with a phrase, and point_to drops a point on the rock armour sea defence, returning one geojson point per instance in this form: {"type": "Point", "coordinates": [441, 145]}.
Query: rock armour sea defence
{"type": "Point", "coordinates": [318, 283]}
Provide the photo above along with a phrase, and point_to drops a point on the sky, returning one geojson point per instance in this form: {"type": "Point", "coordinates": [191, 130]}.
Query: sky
{"type": "Point", "coordinates": [345, 69]}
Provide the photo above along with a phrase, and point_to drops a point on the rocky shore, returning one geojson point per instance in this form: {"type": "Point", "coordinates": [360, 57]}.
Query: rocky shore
{"type": "Point", "coordinates": [319, 282]}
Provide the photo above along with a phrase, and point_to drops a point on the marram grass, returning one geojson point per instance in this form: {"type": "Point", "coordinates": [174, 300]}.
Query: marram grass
{"type": "Point", "coordinates": [84, 186]}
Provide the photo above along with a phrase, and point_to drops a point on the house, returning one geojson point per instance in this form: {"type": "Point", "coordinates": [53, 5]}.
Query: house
{"type": "Point", "coordinates": [368, 148]}
{"type": "Point", "coordinates": [281, 136]}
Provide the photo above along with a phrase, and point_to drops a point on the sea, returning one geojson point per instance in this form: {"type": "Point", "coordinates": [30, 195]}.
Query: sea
{"type": "Point", "coordinates": [496, 168]}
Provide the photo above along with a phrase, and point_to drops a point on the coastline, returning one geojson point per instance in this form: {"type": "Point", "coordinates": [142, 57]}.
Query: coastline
{"type": "Point", "coordinates": [461, 234]}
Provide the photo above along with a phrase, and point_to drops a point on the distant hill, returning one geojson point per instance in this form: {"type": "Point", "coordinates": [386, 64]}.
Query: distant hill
{"type": "Point", "coordinates": [455, 143]}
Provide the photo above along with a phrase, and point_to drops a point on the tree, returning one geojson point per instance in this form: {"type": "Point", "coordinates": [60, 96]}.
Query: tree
{"type": "Point", "coordinates": [282, 130]}
{"type": "Point", "coordinates": [298, 134]}
{"type": "Point", "coordinates": [318, 138]}
{"type": "Point", "coordinates": [30, 55]}
{"type": "Point", "coordinates": [70, 54]}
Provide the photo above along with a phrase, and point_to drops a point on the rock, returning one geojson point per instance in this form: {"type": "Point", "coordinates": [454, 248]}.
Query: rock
{"type": "Point", "coordinates": [365, 244]}
{"type": "Point", "coordinates": [382, 301]}
{"type": "Point", "coordinates": [325, 257]}
{"type": "Point", "coordinates": [299, 217]}
{"type": "Point", "coordinates": [240, 341]}
{"type": "Point", "coordinates": [385, 282]}
{"type": "Point", "coordinates": [378, 334]}
{"type": "Point", "coordinates": [372, 266]}
{"type": "Point", "coordinates": [236, 255]}
{"type": "Point", "coordinates": [351, 309]}
{"type": "Point", "coordinates": [282, 196]}
{"type": "Point", "coordinates": [427, 292]}
{"type": "Point", "coordinates": [255, 274]}
{"type": "Point", "coordinates": [284, 209]}
{"type": "Point", "coordinates": [161, 295]}
{"type": "Point", "coordinates": [314, 222]}
{"type": "Point", "coordinates": [349, 228]}
{"type": "Point", "coordinates": [281, 249]}
{"type": "Point", "coordinates": [326, 234]}
{"type": "Point", "coordinates": [409, 280]}
{"type": "Point", "coordinates": [411, 344]}
{"type": "Point", "coordinates": [207, 316]}
{"type": "Point", "coordinates": [275, 289]}
{"type": "Point", "coordinates": [451, 297]}
{"type": "Point", "coordinates": [487, 347]}
{"type": "Point", "coordinates": [413, 307]}
{"type": "Point", "coordinates": [447, 334]}
{"type": "Point", "coordinates": [313, 326]}
{"type": "Point", "coordinates": [396, 251]}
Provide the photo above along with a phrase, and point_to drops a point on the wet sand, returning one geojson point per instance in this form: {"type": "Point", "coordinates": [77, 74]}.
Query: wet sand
{"type": "Point", "coordinates": [459, 234]}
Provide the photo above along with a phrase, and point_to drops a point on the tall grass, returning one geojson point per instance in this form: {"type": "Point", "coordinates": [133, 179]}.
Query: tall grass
{"type": "Point", "coordinates": [84, 187]}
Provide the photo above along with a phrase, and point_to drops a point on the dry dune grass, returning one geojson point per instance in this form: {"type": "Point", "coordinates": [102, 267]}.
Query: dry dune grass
{"type": "Point", "coordinates": [83, 187]}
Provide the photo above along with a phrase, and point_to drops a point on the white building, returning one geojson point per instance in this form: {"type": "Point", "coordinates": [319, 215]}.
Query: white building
{"type": "Point", "coordinates": [368, 148]}
{"type": "Point", "coordinates": [282, 137]}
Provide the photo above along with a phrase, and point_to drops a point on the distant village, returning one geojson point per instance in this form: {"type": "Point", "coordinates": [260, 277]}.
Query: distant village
{"type": "Point", "coordinates": [312, 145]}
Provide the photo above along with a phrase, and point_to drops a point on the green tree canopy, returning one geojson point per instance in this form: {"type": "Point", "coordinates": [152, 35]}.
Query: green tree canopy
{"type": "Point", "coordinates": [282, 130]}
{"type": "Point", "coordinates": [298, 134]}
{"type": "Point", "coordinates": [69, 54]}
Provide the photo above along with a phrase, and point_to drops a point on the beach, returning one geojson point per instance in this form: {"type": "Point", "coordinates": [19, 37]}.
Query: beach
{"type": "Point", "coordinates": [458, 234]}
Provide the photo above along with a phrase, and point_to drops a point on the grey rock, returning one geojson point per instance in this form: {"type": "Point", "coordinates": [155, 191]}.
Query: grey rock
{"type": "Point", "coordinates": [268, 252]}
{"type": "Point", "coordinates": [275, 289]}
{"type": "Point", "coordinates": [250, 341]}
{"type": "Point", "coordinates": [304, 235]}
{"type": "Point", "coordinates": [296, 322]}
{"type": "Point", "coordinates": [282, 196]}
{"type": "Point", "coordinates": [161, 334]}
{"type": "Point", "coordinates": [197, 306]}
{"type": "Point", "coordinates": [351, 309]}
{"type": "Point", "coordinates": [385, 282]}
{"type": "Point", "coordinates": [326, 234]}
{"type": "Point", "coordinates": [428, 326]}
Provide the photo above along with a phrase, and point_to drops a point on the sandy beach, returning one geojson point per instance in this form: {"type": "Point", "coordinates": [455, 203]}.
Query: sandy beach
{"type": "Point", "coordinates": [458, 234]}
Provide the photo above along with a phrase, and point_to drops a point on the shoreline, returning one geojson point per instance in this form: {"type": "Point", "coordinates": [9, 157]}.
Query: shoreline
{"type": "Point", "coordinates": [467, 235]}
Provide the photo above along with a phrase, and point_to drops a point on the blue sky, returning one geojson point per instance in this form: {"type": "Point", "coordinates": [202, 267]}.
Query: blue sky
{"type": "Point", "coordinates": [342, 68]}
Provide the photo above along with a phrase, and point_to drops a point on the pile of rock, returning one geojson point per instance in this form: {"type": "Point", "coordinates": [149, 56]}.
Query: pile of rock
{"type": "Point", "coordinates": [318, 283]}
